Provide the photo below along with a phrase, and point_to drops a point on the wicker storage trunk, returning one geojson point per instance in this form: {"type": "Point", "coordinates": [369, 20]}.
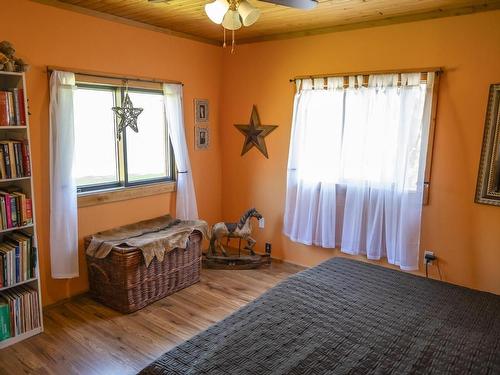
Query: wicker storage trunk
{"type": "Point", "coordinates": [123, 282]}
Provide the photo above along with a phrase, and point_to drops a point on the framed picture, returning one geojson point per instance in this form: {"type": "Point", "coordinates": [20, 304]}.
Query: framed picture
{"type": "Point", "coordinates": [488, 180]}
{"type": "Point", "coordinates": [202, 137]}
{"type": "Point", "coordinates": [201, 111]}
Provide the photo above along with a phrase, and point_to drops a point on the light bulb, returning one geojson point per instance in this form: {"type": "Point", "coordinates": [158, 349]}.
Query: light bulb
{"type": "Point", "coordinates": [232, 20]}
{"type": "Point", "coordinates": [216, 10]}
{"type": "Point", "coordinates": [248, 13]}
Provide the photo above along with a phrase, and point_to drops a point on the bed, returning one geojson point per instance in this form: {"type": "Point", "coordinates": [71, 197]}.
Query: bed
{"type": "Point", "coordinates": [349, 317]}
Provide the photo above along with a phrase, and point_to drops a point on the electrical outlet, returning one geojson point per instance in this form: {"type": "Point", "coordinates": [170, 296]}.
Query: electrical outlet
{"type": "Point", "coordinates": [262, 223]}
{"type": "Point", "coordinates": [429, 256]}
{"type": "Point", "coordinates": [268, 247]}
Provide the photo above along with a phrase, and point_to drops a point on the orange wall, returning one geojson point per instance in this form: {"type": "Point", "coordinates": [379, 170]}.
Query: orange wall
{"type": "Point", "coordinates": [464, 235]}
{"type": "Point", "coordinates": [45, 35]}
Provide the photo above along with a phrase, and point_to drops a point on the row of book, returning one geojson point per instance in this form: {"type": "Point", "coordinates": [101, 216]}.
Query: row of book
{"type": "Point", "coordinates": [14, 159]}
{"type": "Point", "coordinates": [12, 108]}
{"type": "Point", "coordinates": [16, 208]}
{"type": "Point", "coordinates": [19, 311]}
{"type": "Point", "coordinates": [17, 258]}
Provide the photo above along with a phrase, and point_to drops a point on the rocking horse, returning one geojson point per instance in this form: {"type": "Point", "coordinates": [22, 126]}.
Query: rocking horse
{"type": "Point", "coordinates": [219, 257]}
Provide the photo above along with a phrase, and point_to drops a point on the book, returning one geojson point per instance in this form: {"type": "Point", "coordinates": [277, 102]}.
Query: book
{"type": "Point", "coordinates": [8, 208]}
{"type": "Point", "coordinates": [18, 265]}
{"type": "Point", "coordinates": [22, 107]}
{"type": "Point", "coordinates": [6, 158]}
{"type": "Point", "coordinates": [4, 108]}
{"type": "Point", "coordinates": [13, 211]}
{"type": "Point", "coordinates": [30, 261]}
{"type": "Point", "coordinates": [21, 208]}
{"type": "Point", "coordinates": [4, 320]}
{"type": "Point", "coordinates": [17, 258]}
{"type": "Point", "coordinates": [2, 275]}
{"type": "Point", "coordinates": [12, 110]}
{"type": "Point", "coordinates": [16, 210]}
{"type": "Point", "coordinates": [14, 159]}
{"type": "Point", "coordinates": [26, 159]}
{"type": "Point", "coordinates": [2, 165]}
{"type": "Point", "coordinates": [12, 156]}
{"type": "Point", "coordinates": [3, 212]}
{"type": "Point", "coordinates": [18, 157]}
{"type": "Point", "coordinates": [29, 211]}
{"type": "Point", "coordinates": [9, 260]}
{"type": "Point", "coordinates": [23, 309]}
{"type": "Point", "coordinates": [17, 112]}
{"type": "Point", "coordinates": [19, 239]}
{"type": "Point", "coordinates": [9, 157]}
{"type": "Point", "coordinates": [21, 257]}
{"type": "Point", "coordinates": [33, 260]}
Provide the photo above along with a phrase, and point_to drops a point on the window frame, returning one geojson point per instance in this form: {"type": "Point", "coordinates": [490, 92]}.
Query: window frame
{"type": "Point", "coordinates": [121, 145]}
{"type": "Point", "coordinates": [430, 139]}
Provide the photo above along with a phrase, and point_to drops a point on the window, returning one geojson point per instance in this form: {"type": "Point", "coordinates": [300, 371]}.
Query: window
{"type": "Point", "coordinates": [146, 151]}
{"type": "Point", "coordinates": [358, 164]}
{"type": "Point", "coordinates": [102, 161]}
{"type": "Point", "coordinates": [96, 151]}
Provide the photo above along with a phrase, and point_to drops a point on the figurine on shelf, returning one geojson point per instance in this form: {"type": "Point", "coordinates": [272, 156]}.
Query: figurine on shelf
{"type": "Point", "coordinates": [8, 61]}
{"type": "Point", "coordinates": [241, 230]}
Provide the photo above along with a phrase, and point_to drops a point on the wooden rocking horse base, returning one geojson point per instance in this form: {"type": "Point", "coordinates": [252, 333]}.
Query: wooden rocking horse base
{"type": "Point", "coordinates": [234, 261]}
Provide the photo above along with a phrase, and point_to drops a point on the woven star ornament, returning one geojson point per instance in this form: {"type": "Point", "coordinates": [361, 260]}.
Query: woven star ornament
{"type": "Point", "coordinates": [128, 116]}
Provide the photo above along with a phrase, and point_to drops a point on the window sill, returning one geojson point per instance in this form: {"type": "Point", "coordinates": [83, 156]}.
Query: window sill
{"type": "Point", "coordinates": [99, 197]}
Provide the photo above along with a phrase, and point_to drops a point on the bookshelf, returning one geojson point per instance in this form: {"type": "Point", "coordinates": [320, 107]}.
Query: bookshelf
{"type": "Point", "coordinates": [19, 183]}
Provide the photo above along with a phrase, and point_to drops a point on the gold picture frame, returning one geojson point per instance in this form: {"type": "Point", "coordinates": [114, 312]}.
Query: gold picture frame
{"type": "Point", "coordinates": [488, 180]}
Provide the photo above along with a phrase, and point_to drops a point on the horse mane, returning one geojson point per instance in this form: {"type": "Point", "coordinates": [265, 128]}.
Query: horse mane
{"type": "Point", "coordinates": [245, 217]}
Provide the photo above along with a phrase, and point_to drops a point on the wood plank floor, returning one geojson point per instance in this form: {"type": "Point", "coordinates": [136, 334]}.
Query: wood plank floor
{"type": "Point", "coordinates": [84, 337]}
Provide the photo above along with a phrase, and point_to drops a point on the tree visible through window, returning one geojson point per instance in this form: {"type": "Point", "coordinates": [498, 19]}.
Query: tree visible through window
{"type": "Point", "coordinates": [101, 160]}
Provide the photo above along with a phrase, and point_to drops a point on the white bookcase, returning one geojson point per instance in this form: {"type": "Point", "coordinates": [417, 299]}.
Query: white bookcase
{"type": "Point", "coordinates": [10, 80]}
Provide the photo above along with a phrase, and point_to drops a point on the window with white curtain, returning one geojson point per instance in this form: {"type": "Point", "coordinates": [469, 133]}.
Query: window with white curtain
{"type": "Point", "coordinates": [356, 164]}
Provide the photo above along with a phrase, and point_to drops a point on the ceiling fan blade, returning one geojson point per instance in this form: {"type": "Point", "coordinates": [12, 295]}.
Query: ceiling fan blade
{"type": "Point", "coordinates": [300, 4]}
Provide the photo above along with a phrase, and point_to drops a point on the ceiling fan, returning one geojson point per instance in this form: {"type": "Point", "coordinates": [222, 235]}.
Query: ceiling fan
{"type": "Point", "coordinates": [232, 14]}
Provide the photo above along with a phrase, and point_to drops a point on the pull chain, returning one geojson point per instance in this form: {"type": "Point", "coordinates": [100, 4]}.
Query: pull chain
{"type": "Point", "coordinates": [233, 43]}
{"type": "Point", "coordinates": [224, 44]}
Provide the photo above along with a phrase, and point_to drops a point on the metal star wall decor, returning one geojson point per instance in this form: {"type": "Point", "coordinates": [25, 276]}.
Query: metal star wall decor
{"type": "Point", "coordinates": [255, 133]}
{"type": "Point", "coordinates": [128, 115]}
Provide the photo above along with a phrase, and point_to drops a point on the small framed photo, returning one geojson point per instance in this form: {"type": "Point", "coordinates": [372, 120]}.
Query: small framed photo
{"type": "Point", "coordinates": [201, 111]}
{"type": "Point", "coordinates": [202, 137]}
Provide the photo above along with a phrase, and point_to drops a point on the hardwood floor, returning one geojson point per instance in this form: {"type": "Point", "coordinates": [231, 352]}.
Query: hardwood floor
{"type": "Point", "coordinates": [84, 337]}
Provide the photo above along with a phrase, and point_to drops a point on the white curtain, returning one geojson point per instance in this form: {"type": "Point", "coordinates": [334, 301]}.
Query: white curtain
{"type": "Point", "coordinates": [63, 200]}
{"type": "Point", "coordinates": [356, 165]}
{"type": "Point", "coordinates": [186, 208]}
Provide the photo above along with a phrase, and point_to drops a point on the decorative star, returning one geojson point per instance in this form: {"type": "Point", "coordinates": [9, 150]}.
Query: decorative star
{"type": "Point", "coordinates": [128, 116]}
{"type": "Point", "coordinates": [255, 133]}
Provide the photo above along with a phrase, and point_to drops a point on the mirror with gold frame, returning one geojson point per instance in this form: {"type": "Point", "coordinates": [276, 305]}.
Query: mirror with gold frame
{"type": "Point", "coordinates": [488, 180]}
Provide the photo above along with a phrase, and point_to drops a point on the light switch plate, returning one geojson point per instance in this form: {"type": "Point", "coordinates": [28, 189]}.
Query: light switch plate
{"type": "Point", "coordinates": [262, 223]}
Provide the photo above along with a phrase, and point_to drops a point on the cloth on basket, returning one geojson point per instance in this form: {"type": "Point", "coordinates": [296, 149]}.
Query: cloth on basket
{"type": "Point", "coordinates": [153, 237]}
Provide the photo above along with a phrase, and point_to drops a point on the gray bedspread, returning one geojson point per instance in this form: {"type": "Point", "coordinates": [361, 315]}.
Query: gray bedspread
{"type": "Point", "coordinates": [349, 317]}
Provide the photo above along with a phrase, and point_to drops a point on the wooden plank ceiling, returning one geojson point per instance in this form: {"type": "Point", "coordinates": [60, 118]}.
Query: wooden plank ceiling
{"type": "Point", "coordinates": [188, 16]}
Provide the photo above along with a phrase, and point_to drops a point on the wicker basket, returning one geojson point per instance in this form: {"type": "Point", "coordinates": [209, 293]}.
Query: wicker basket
{"type": "Point", "coordinates": [123, 282]}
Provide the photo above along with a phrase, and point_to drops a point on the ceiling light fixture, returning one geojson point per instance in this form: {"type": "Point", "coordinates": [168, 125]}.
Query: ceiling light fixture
{"type": "Point", "coordinates": [232, 14]}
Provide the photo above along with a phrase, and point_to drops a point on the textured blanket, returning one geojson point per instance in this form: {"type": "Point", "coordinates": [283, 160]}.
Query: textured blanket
{"type": "Point", "coordinates": [154, 237]}
{"type": "Point", "coordinates": [349, 317]}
